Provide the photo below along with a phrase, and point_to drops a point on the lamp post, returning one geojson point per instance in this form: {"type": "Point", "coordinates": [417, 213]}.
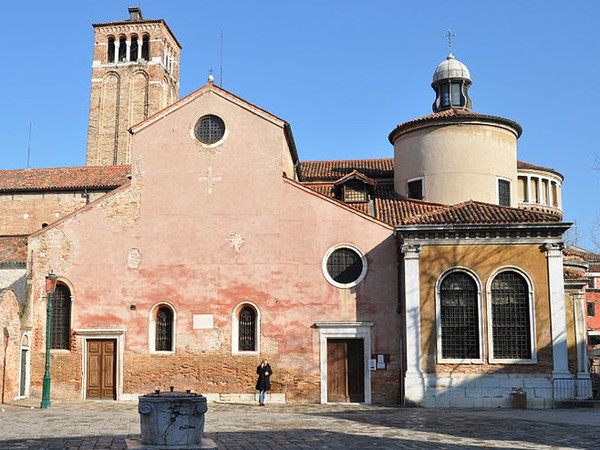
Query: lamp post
{"type": "Point", "coordinates": [50, 288]}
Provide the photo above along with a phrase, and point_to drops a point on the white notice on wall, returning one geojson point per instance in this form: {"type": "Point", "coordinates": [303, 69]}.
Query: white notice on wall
{"type": "Point", "coordinates": [372, 364]}
{"type": "Point", "coordinates": [203, 321]}
{"type": "Point", "coordinates": [380, 362]}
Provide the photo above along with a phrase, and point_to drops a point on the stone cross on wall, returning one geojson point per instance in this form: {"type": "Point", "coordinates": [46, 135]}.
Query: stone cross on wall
{"type": "Point", "coordinates": [210, 180]}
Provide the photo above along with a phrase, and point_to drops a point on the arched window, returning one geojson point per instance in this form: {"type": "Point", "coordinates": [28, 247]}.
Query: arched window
{"type": "Point", "coordinates": [459, 317]}
{"type": "Point", "coordinates": [511, 321]}
{"type": "Point", "coordinates": [146, 48]}
{"type": "Point", "coordinates": [111, 49]}
{"type": "Point", "coordinates": [133, 52]}
{"type": "Point", "coordinates": [60, 331]}
{"type": "Point", "coordinates": [122, 49]}
{"type": "Point", "coordinates": [247, 329]}
{"type": "Point", "coordinates": [164, 329]}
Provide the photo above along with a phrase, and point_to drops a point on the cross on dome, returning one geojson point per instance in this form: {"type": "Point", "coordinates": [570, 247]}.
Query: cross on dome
{"type": "Point", "coordinates": [449, 35]}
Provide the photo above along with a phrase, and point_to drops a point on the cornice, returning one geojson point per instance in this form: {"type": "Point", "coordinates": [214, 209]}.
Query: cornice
{"type": "Point", "coordinates": [545, 233]}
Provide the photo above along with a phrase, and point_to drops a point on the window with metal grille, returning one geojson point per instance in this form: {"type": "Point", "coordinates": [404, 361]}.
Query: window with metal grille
{"type": "Point", "coordinates": [415, 189]}
{"type": "Point", "coordinates": [504, 192]}
{"type": "Point", "coordinates": [164, 329]}
{"type": "Point", "coordinates": [60, 331]}
{"type": "Point", "coordinates": [591, 309]}
{"type": "Point", "coordinates": [511, 330]}
{"type": "Point", "coordinates": [210, 129]}
{"type": "Point", "coordinates": [355, 192]}
{"type": "Point", "coordinates": [459, 313]}
{"type": "Point", "coordinates": [247, 329]}
{"type": "Point", "coordinates": [344, 265]}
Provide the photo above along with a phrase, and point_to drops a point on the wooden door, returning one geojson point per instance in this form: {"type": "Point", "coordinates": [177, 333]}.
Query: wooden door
{"type": "Point", "coordinates": [22, 387]}
{"type": "Point", "coordinates": [345, 370]}
{"type": "Point", "coordinates": [101, 363]}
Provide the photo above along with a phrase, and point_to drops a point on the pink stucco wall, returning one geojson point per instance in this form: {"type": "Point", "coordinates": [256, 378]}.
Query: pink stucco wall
{"type": "Point", "coordinates": [252, 236]}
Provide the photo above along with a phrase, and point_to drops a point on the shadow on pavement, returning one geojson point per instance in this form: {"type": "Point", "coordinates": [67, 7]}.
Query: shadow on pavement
{"type": "Point", "coordinates": [292, 439]}
{"type": "Point", "coordinates": [470, 426]}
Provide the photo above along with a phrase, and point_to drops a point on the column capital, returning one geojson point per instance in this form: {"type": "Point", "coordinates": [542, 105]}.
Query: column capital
{"type": "Point", "coordinates": [411, 251]}
{"type": "Point", "coordinates": [553, 249]}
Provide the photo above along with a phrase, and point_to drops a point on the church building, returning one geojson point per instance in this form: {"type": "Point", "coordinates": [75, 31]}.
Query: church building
{"type": "Point", "coordinates": [430, 278]}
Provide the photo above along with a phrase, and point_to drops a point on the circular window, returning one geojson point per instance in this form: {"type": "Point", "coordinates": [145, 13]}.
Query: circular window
{"type": "Point", "coordinates": [344, 266]}
{"type": "Point", "coordinates": [209, 129]}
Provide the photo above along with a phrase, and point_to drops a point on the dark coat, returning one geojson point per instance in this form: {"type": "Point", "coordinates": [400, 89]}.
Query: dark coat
{"type": "Point", "coordinates": [264, 381]}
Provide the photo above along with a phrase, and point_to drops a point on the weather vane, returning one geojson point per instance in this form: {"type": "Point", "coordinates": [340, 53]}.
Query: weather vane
{"type": "Point", "coordinates": [449, 35]}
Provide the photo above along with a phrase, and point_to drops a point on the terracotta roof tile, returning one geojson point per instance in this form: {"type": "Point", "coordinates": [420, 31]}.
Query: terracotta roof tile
{"type": "Point", "coordinates": [581, 254]}
{"type": "Point", "coordinates": [524, 166]}
{"type": "Point", "coordinates": [334, 170]}
{"type": "Point", "coordinates": [356, 174]}
{"type": "Point", "coordinates": [472, 212]}
{"type": "Point", "coordinates": [13, 250]}
{"type": "Point", "coordinates": [573, 274]}
{"type": "Point", "coordinates": [64, 178]}
{"type": "Point", "coordinates": [455, 115]}
{"type": "Point", "coordinates": [388, 206]}
{"type": "Point", "coordinates": [594, 267]}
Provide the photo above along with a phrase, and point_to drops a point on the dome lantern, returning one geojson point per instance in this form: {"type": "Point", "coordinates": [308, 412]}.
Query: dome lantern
{"type": "Point", "coordinates": [451, 82]}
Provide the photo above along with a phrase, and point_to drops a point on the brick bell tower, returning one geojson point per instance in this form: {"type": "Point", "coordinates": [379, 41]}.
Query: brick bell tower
{"type": "Point", "coordinates": [135, 73]}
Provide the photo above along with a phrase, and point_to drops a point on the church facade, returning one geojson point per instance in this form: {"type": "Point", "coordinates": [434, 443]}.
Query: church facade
{"type": "Point", "coordinates": [432, 278]}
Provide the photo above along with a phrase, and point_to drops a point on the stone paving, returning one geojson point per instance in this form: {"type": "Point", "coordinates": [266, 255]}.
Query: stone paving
{"type": "Point", "coordinates": [106, 425]}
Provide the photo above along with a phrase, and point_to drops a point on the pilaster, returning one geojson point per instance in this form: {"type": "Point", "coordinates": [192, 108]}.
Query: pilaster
{"type": "Point", "coordinates": [414, 383]}
{"type": "Point", "coordinates": [558, 319]}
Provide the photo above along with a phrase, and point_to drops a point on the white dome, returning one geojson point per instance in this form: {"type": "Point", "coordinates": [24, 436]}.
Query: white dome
{"type": "Point", "coordinates": [451, 68]}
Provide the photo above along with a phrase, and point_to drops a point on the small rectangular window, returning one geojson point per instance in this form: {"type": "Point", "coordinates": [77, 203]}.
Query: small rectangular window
{"type": "Point", "coordinates": [445, 94]}
{"type": "Point", "coordinates": [591, 309]}
{"type": "Point", "coordinates": [457, 98]}
{"type": "Point", "coordinates": [355, 192]}
{"type": "Point", "coordinates": [504, 192]}
{"type": "Point", "coordinates": [415, 189]}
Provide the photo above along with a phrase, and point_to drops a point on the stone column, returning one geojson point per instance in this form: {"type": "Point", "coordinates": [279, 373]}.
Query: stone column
{"type": "Point", "coordinates": [128, 50]}
{"type": "Point", "coordinates": [558, 317]}
{"type": "Point", "coordinates": [414, 383]}
{"type": "Point", "coordinates": [117, 45]}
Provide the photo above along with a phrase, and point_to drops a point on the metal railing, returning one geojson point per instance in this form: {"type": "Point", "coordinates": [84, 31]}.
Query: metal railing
{"type": "Point", "coordinates": [571, 391]}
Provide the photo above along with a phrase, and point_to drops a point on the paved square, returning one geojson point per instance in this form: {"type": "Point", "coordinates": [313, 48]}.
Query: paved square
{"type": "Point", "coordinates": [106, 425]}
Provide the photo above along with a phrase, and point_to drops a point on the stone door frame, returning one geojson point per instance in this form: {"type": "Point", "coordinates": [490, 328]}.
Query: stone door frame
{"type": "Point", "coordinates": [94, 334]}
{"type": "Point", "coordinates": [24, 347]}
{"type": "Point", "coordinates": [344, 330]}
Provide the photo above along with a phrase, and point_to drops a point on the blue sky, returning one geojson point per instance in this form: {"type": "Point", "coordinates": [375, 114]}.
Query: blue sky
{"type": "Point", "coordinates": [342, 73]}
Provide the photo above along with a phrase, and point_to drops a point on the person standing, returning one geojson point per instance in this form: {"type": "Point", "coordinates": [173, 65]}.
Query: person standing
{"type": "Point", "coordinates": [263, 384]}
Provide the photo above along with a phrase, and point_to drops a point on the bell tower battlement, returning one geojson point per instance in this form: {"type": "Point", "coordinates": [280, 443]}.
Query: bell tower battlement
{"type": "Point", "coordinates": [135, 73]}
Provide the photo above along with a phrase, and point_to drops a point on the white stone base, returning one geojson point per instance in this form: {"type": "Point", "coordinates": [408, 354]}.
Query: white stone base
{"type": "Point", "coordinates": [136, 444]}
{"type": "Point", "coordinates": [224, 398]}
{"type": "Point", "coordinates": [485, 390]}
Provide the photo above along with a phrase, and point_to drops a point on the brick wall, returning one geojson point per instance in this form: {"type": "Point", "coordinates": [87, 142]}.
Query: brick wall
{"type": "Point", "coordinates": [593, 296]}
{"type": "Point", "coordinates": [10, 345]}
{"type": "Point", "coordinates": [25, 213]}
{"type": "Point", "coordinates": [125, 93]}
